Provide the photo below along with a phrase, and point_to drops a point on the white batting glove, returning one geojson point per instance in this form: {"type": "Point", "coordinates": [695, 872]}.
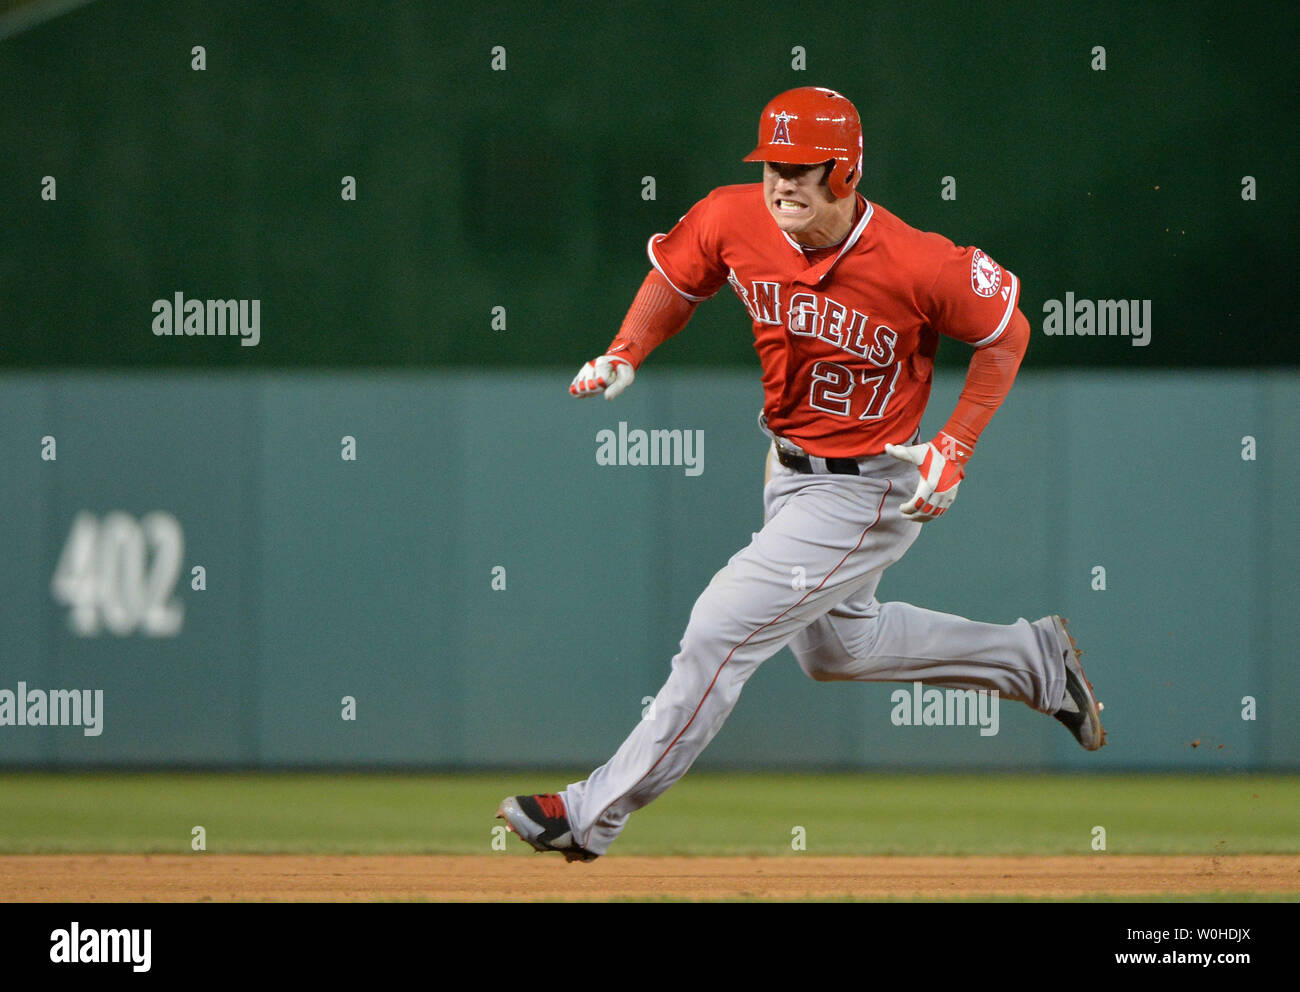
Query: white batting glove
{"type": "Point", "coordinates": [940, 477]}
{"type": "Point", "coordinates": [608, 374]}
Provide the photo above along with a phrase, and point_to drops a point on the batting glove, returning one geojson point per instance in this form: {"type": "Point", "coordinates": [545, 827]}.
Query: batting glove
{"type": "Point", "coordinates": [609, 374]}
{"type": "Point", "coordinates": [940, 475]}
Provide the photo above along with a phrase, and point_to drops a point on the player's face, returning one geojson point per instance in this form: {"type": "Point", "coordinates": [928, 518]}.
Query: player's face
{"type": "Point", "coordinates": [803, 205]}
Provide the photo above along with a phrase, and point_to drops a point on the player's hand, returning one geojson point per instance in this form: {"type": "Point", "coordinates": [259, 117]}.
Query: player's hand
{"type": "Point", "coordinates": [609, 374]}
{"type": "Point", "coordinates": [940, 477]}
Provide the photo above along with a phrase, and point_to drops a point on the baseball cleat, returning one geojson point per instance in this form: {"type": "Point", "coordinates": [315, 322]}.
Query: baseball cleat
{"type": "Point", "coordinates": [543, 823]}
{"type": "Point", "coordinates": [1080, 711]}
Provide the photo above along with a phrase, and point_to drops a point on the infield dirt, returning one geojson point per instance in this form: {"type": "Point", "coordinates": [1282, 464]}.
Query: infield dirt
{"type": "Point", "coordinates": [508, 878]}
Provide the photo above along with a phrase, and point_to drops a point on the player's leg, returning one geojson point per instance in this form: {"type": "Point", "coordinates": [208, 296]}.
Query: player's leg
{"type": "Point", "coordinates": [865, 640]}
{"type": "Point", "coordinates": [823, 536]}
{"type": "Point", "coordinates": [1036, 663]}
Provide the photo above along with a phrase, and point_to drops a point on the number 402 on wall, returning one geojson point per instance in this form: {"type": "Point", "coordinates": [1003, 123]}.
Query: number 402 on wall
{"type": "Point", "coordinates": [119, 574]}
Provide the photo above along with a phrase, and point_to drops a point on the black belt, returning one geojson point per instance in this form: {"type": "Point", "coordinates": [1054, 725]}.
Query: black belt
{"type": "Point", "coordinates": [800, 463]}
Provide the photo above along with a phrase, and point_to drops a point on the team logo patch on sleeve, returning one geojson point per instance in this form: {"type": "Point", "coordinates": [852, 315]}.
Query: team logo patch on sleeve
{"type": "Point", "coordinates": [985, 274]}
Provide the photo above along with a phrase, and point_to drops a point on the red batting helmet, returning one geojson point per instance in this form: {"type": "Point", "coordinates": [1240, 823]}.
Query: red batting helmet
{"type": "Point", "coordinates": [812, 124]}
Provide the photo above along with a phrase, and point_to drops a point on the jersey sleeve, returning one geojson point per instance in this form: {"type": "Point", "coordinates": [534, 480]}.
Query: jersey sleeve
{"type": "Point", "coordinates": [689, 256]}
{"type": "Point", "coordinates": [972, 298]}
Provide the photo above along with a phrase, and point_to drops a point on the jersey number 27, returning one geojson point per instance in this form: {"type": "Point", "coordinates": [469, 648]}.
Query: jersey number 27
{"type": "Point", "coordinates": [833, 387]}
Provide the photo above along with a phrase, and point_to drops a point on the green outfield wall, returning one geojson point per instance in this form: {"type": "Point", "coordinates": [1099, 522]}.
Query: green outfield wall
{"type": "Point", "coordinates": [446, 549]}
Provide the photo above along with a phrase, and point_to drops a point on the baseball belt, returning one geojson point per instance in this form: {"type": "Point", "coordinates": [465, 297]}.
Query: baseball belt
{"type": "Point", "coordinates": [802, 463]}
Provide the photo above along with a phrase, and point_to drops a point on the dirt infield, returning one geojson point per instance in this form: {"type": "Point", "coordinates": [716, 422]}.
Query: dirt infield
{"type": "Point", "coordinates": [500, 878]}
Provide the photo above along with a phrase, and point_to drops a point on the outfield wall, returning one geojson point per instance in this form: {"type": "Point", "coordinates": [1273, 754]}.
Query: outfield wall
{"type": "Point", "coordinates": [374, 578]}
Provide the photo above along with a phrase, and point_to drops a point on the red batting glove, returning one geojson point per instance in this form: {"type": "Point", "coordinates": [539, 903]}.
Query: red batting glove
{"type": "Point", "coordinates": [940, 462]}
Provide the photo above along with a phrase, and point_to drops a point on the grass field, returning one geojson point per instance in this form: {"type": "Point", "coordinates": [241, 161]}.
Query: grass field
{"type": "Point", "coordinates": [704, 814]}
{"type": "Point", "coordinates": [743, 837]}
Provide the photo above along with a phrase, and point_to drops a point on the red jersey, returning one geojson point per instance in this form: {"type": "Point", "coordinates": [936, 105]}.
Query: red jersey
{"type": "Point", "coordinates": [847, 344]}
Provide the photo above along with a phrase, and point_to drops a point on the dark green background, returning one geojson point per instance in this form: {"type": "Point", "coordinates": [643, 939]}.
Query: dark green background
{"type": "Point", "coordinates": [522, 188]}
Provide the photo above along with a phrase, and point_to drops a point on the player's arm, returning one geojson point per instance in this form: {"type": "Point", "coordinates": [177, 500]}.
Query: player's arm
{"type": "Point", "coordinates": [942, 461]}
{"type": "Point", "coordinates": [974, 300]}
{"type": "Point", "coordinates": [989, 378]}
{"type": "Point", "coordinates": [688, 269]}
{"type": "Point", "coordinates": [657, 313]}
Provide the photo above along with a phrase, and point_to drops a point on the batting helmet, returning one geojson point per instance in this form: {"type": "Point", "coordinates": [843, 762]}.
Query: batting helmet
{"type": "Point", "coordinates": [812, 124]}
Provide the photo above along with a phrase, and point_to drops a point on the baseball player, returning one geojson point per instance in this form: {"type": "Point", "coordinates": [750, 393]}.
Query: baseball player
{"type": "Point", "coordinates": [847, 303]}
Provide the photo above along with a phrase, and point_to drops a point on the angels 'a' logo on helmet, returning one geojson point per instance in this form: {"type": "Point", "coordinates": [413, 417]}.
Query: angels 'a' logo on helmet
{"type": "Point", "coordinates": [985, 274]}
{"type": "Point", "coordinates": [781, 136]}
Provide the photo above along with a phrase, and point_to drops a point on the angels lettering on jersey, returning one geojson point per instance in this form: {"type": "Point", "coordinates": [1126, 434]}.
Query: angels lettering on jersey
{"type": "Point", "coordinates": [816, 315]}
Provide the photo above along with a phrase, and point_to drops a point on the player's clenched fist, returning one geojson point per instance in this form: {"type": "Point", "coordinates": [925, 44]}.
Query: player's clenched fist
{"type": "Point", "coordinates": [609, 374]}
{"type": "Point", "coordinates": [940, 477]}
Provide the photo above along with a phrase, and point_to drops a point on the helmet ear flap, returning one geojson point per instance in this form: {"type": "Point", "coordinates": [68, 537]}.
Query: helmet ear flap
{"type": "Point", "coordinates": [852, 174]}
{"type": "Point", "coordinates": [841, 179]}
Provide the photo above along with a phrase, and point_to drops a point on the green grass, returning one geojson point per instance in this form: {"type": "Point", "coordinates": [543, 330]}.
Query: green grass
{"type": "Point", "coordinates": [706, 813]}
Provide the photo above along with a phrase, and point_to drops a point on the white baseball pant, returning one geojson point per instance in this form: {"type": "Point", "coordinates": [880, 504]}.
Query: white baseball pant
{"type": "Point", "coordinates": [842, 531]}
